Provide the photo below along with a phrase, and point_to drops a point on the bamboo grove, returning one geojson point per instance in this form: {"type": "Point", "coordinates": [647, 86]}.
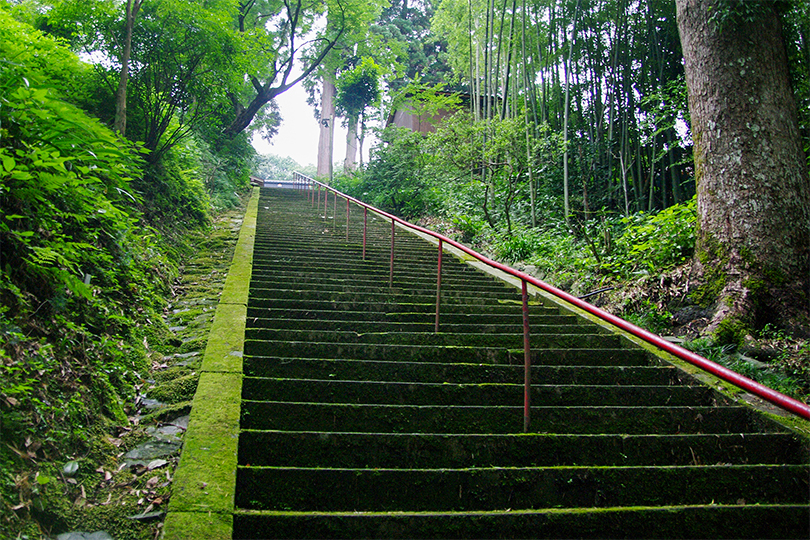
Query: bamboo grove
{"type": "Point", "coordinates": [598, 84]}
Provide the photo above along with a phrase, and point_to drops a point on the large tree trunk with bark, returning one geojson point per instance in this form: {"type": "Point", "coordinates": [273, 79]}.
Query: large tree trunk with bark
{"type": "Point", "coordinates": [327, 126]}
{"type": "Point", "coordinates": [350, 161]}
{"type": "Point", "coordinates": [753, 241]}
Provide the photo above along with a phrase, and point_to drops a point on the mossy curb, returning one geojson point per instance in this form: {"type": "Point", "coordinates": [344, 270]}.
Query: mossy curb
{"type": "Point", "coordinates": [205, 481]}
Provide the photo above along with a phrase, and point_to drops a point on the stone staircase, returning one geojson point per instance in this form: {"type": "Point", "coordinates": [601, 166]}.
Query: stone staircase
{"type": "Point", "coordinates": [358, 421]}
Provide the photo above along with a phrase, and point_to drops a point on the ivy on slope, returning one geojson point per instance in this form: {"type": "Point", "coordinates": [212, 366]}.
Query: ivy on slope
{"type": "Point", "coordinates": [82, 275]}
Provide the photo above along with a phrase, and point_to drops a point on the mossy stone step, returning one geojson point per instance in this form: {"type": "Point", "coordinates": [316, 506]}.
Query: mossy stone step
{"type": "Point", "coordinates": [421, 490]}
{"type": "Point", "coordinates": [381, 370]}
{"type": "Point", "coordinates": [285, 280]}
{"type": "Point", "coordinates": [362, 418]}
{"type": "Point", "coordinates": [319, 271]}
{"type": "Point", "coordinates": [513, 340]}
{"type": "Point", "coordinates": [451, 394]}
{"type": "Point", "coordinates": [705, 521]}
{"type": "Point", "coordinates": [367, 270]}
{"type": "Point", "coordinates": [423, 326]}
{"type": "Point", "coordinates": [385, 306]}
{"type": "Point", "coordinates": [539, 315]}
{"type": "Point", "coordinates": [460, 354]}
{"type": "Point", "coordinates": [382, 294]}
{"type": "Point", "coordinates": [425, 451]}
{"type": "Point", "coordinates": [333, 264]}
{"type": "Point", "coordinates": [297, 245]}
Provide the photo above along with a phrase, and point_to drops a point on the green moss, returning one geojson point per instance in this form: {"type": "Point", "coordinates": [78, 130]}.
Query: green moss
{"type": "Point", "coordinates": [171, 373]}
{"type": "Point", "coordinates": [176, 390]}
{"type": "Point", "coordinates": [714, 259]}
{"type": "Point", "coordinates": [167, 413]}
{"type": "Point", "coordinates": [195, 525]}
{"type": "Point", "coordinates": [731, 331]}
{"type": "Point", "coordinates": [775, 276]}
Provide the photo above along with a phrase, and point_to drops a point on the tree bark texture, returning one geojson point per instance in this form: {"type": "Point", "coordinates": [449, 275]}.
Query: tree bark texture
{"type": "Point", "coordinates": [327, 126]}
{"type": "Point", "coordinates": [131, 13]}
{"type": "Point", "coordinates": [350, 161]}
{"type": "Point", "coordinates": [750, 169]}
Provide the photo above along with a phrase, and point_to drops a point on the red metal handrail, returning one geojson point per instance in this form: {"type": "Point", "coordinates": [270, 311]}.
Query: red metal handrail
{"type": "Point", "coordinates": [749, 385]}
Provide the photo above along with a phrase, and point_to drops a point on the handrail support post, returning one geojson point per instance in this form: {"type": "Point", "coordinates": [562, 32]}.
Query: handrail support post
{"type": "Point", "coordinates": [438, 287]}
{"type": "Point", "coordinates": [527, 360]}
{"type": "Point", "coordinates": [391, 272]}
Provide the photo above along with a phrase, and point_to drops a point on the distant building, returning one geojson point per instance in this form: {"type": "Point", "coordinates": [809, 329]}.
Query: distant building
{"type": "Point", "coordinates": [405, 116]}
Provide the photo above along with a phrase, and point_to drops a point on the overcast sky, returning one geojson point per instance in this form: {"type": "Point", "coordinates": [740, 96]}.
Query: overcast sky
{"type": "Point", "coordinates": [298, 135]}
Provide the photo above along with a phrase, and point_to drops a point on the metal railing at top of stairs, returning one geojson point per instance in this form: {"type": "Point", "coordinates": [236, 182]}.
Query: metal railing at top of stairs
{"type": "Point", "coordinates": [772, 396]}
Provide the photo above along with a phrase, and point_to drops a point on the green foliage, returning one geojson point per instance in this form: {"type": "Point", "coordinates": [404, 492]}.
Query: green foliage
{"type": "Point", "coordinates": [406, 31]}
{"type": "Point", "coordinates": [426, 100]}
{"type": "Point", "coordinates": [90, 242]}
{"type": "Point", "coordinates": [64, 204]}
{"type": "Point", "coordinates": [82, 274]}
{"type": "Point", "coordinates": [779, 376]}
{"type": "Point", "coordinates": [651, 318]}
{"type": "Point", "coordinates": [37, 59]}
{"type": "Point", "coordinates": [271, 167]}
{"type": "Point", "coordinates": [395, 178]}
{"type": "Point", "coordinates": [517, 247]}
{"type": "Point", "coordinates": [654, 243]}
{"type": "Point", "coordinates": [469, 228]}
{"type": "Point", "coordinates": [358, 88]}
{"type": "Point", "coordinates": [728, 14]}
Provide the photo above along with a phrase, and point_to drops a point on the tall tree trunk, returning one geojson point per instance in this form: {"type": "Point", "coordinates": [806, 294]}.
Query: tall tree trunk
{"type": "Point", "coordinates": [751, 173]}
{"type": "Point", "coordinates": [350, 162]}
{"type": "Point", "coordinates": [327, 126]}
{"type": "Point", "coordinates": [120, 123]}
{"type": "Point", "coordinates": [361, 138]}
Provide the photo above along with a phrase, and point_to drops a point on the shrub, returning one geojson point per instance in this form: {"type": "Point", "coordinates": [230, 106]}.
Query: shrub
{"type": "Point", "coordinates": [652, 243]}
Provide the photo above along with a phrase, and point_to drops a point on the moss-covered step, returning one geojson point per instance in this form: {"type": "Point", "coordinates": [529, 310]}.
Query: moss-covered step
{"type": "Point", "coordinates": [458, 354]}
{"type": "Point", "coordinates": [441, 490]}
{"type": "Point", "coordinates": [455, 354]}
{"type": "Point", "coordinates": [508, 314]}
{"type": "Point", "coordinates": [400, 292]}
{"type": "Point", "coordinates": [298, 250]}
{"type": "Point", "coordinates": [381, 370]}
{"type": "Point", "coordinates": [387, 304]}
{"type": "Point", "coordinates": [431, 451]}
{"type": "Point", "coordinates": [384, 294]}
{"type": "Point", "coordinates": [423, 326]}
{"type": "Point", "coordinates": [332, 265]}
{"type": "Point", "coordinates": [285, 280]}
{"type": "Point", "coordinates": [361, 418]}
{"type": "Point", "coordinates": [539, 315]}
{"type": "Point", "coordinates": [704, 521]}
{"type": "Point", "coordinates": [512, 340]}
{"type": "Point", "coordinates": [410, 393]}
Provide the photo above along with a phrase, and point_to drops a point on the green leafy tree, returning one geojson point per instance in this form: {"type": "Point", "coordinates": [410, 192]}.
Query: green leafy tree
{"type": "Point", "coordinates": [397, 177]}
{"type": "Point", "coordinates": [357, 89]}
{"type": "Point", "coordinates": [273, 50]}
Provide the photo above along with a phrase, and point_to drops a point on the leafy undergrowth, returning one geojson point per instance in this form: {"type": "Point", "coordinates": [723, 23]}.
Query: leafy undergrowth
{"type": "Point", "coordinates": [638, 268]}
{"type": "Point", "coordinates": [65, 467]}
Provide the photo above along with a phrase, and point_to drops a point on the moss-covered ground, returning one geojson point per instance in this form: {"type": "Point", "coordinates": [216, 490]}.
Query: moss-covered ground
{"type": "Point", "coordinates": [42, 495]}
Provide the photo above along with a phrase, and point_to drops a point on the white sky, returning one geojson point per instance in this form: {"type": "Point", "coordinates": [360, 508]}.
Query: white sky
{"type": "Point", "coordinates": [298, 135]}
